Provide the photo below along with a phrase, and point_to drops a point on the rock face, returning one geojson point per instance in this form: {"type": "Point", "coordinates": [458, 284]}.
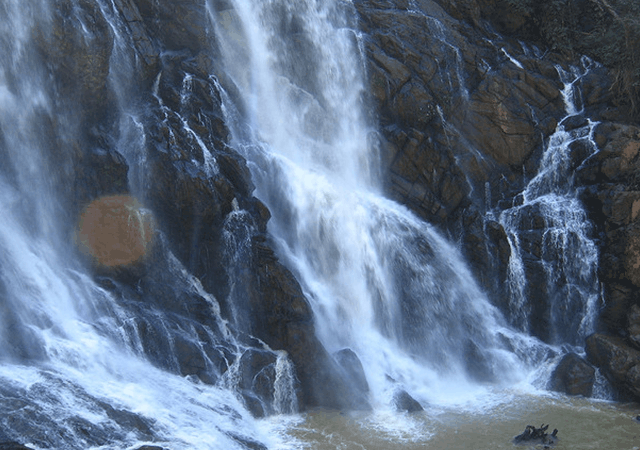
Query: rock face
{"type": "Point", "coordinates": [619, 361]}
{"type": "Point", "coordinates": [475, 130]}
{"type": "Point", "coordinates": [611, 194]}
{"type": "Point", "coordinates": [464, 116]}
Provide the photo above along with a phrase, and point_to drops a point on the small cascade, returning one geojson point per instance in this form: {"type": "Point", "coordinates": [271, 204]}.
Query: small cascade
{"type": "Point", "coordinates": [553, 259]}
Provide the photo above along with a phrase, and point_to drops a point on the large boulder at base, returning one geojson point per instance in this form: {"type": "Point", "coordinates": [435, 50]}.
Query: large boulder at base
{"type": "Point", "coordinates": [349, 361]}
{"type": "Point", "coordinates": [573, 376]}
{"type": "Point", "coordinates": [619, 362]}
{"type": "Point", "coordinates": [403, 402]}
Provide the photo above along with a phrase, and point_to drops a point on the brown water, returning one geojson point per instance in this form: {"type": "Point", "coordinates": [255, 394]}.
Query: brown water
{"type": "Point", "coordinates": [581, 424]}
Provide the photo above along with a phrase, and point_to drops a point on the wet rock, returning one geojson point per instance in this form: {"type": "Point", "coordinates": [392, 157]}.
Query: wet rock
{"type": "Point", "coordinates": [283, 319]}
{"type": "Point", "coordinates": [349, 361]}
{"type": "Point", "coordinates": [427, 181]}
{"type": "Point", "coordinates": [573, 122]}
{"type": "Point", "coordinates": [612, 197]}
{"type": "Point", "coordinates": [80, 60]}
{"type": "Point", "coordinates": [619, 299]}
{"type": "Point", "coordinates": [13, 446]}
{"type": "Point", "coordinates": [177, 25]}
{"type": "Point", "coordinates": [246, 442]}
{"type": "Point", "coordinates": [142, 42]}
{"type": "Point", "coordinates": [497, 123]}
{"type": "Point", "coordinates": [414, 105]}
{"type": "Point", "coordinates": [573, 376]}
{"type": "Point", "coordinates": [99, 173]}
{"type": "Point", "coordinates": [403, 402]}
{"type": "Point", "coordinates": [634, 325]}
{"type": "Point", "coordinates": [619, 362]}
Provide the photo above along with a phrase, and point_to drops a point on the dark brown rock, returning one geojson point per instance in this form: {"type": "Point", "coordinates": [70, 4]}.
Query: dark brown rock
{"type": "Point", "coordinates": [497, 122]}
{"type": "Point", "coordinates": [613, 202]}
{"type": "Point", "coordinates": [573, 376]}
{"type": "Point", "coordinates": [619, 362]}
{"type": "Point", "coordinates": [282, 317]}
{"type": "Point", "coordinates": [350, 363]}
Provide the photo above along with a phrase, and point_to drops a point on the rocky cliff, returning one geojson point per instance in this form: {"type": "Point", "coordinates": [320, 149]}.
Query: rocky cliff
{"type": "Point", "coordinates": [465, 106]}
{"type": "Point", "coordinates": [467, 94]}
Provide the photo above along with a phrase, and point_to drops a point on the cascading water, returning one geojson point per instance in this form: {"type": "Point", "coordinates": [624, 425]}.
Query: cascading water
{"type": "Point", "coordinates": [550, 225]}
{"type": "Point", "coordinates": [88, 363]}
{"type": "Point", "coordinates": [381, 282]}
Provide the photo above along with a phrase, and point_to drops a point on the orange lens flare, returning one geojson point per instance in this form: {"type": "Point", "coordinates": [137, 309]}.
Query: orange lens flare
{"type": "Point", "coordinates": [116, 230]}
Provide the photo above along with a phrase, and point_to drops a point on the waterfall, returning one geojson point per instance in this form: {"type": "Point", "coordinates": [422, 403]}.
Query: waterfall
{"type": "Point", "coordinates": [550, 235]}
{"type": "Point", "coordinates": [381, 282]}
{"type": "Point", "coordinates": [121, 344]}
{"type": "Point", "coordinates": [87, 360]}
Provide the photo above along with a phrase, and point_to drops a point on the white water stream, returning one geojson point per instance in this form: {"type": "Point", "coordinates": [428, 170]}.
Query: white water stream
{"type": "Point", "coordinates": [380, 281]}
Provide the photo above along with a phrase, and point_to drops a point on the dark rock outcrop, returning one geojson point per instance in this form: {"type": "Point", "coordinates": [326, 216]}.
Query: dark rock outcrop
{"type": "Point", "coordinates": [476, 126]}
{"type": "Point", "coordinates": [619, 362]}
{"type": "Point", "coordinates": [612, 197]}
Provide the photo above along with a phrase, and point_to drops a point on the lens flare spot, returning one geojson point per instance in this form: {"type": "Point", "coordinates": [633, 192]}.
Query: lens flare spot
{"type": "Point", "coordinates": [116, 230]}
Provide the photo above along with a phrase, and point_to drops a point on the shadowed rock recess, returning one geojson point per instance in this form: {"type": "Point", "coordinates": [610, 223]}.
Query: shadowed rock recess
{"type": "Point", "coordinates": [465, 106]}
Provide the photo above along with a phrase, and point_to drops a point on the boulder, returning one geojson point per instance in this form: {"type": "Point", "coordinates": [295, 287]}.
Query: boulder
{"type": "Point", "coordinates": [403, 402]}
{"type": "Point", "coordinates": [350, 363]}
{"type": "Point", "coordinates": [619, 362]}
{"type": "Point", "coordinates": [573, 376]}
